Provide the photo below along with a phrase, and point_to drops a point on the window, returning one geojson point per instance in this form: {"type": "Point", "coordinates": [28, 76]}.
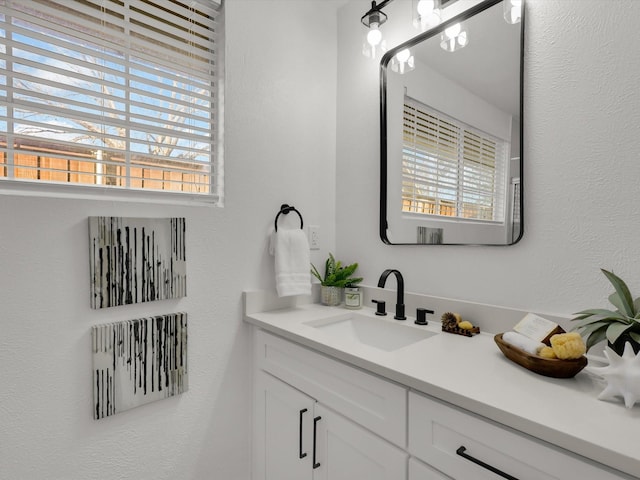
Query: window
{"type": "Point", "coordinates": [111, 93]}
{"type": "Point", "coordinates": [449, 168]}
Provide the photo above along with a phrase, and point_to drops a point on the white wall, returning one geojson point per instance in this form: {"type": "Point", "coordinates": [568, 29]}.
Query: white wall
{"type": "Point", "coordinates": [581, 144]}
{"type": "Point", "coordinates": [280, 147]}
{"type": "Point", "coordinates": [582, 111]}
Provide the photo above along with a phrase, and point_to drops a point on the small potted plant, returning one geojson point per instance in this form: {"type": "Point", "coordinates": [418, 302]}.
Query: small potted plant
{"type": "Point", "coordinates": [335, 278]}
{"type": "Point", "coordinates": [617, 326]}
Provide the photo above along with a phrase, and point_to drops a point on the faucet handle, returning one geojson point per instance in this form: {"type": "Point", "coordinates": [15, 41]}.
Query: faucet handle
{"type": "Point", "coordinates": [421, 316]}
{"type": "Point", "coordinates": [380, 307]}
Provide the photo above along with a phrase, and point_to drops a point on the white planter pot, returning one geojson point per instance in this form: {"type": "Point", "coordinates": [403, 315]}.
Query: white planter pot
{"type": "Point", "coordinates": [331, 296]}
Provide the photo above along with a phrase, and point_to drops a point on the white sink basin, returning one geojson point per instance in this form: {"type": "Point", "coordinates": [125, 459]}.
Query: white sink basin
{"type": "Point", "coordinates": [382, 334]}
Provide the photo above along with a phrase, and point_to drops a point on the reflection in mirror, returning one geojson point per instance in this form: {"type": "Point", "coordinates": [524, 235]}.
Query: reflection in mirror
{"type": "Point", "coordinates": [451, 132]}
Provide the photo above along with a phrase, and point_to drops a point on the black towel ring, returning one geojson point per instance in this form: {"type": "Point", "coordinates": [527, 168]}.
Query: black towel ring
{"type": "Point", "coordinates": [285, 209]}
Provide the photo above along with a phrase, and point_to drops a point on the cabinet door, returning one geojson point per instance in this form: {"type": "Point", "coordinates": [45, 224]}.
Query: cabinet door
{"type": "Point", "coordinates": [422, 471]}
{"type": "Point", "coordinates": [347, 451]}
{"type": "Point", "coordinates": [283, 431]}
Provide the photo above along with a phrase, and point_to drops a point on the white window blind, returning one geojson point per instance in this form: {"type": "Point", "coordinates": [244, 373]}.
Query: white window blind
{"type": "Point", "coordinates": [449, 168]}
{"type": "Point", "coordinates": [112, 93]}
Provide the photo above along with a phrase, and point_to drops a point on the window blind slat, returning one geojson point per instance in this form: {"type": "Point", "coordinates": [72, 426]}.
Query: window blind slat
{"type": "Point", "coordinates": [450, 168]}
{"type": "Point", "coordinates": [126, 87]}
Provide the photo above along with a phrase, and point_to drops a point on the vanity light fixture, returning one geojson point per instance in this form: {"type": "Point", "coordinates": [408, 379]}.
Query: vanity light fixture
{"type": "Point", "coordinates": [373, 42]}
{"type": "Point", "coordinates": [426, 13]}
{"type": "Point", "coordinates": [512, 11]}
{"type": "Point", "coordinates": [403, 62]}
{"type": "Point", "coordinates": [454, 38]}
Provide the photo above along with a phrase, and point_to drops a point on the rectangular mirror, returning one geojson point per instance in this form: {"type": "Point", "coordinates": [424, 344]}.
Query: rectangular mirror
{"type": "Point", "coordinates": [451, 132]}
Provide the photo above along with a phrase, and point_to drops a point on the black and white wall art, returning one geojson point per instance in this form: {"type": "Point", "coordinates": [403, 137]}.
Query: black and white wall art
{"type": "Point", "coordinates": [135, 260]}
{"type": "Point", "coordinates": [138, 361]}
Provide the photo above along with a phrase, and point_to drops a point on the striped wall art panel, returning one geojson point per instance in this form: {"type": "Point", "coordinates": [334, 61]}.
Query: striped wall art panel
{"type": "Point", "coordinates": [136, 260]}
{"type": "Point", "coordinates": [138, 361]}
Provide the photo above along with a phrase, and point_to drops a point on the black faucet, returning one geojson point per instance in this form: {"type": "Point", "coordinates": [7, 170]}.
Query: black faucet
{"type": "Point", "coordinates": [400, 300]}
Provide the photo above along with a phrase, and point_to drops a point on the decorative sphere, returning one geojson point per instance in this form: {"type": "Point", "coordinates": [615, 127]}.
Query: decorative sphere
{"type": "Point", "coordinates": [622, 375]}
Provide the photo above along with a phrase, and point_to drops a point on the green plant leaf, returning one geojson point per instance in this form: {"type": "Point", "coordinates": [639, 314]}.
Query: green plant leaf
{"type": "Point", "coordinates": [596, 337]}
{"type": "Point", "coordinates": [636, 306]}
{"type": "Point", "coordinates": [335, 275]}
{"type": "Point", "coordinates": [315, 273]}
{"type": "Point", "coordinates": [623, 293]}
{"type": "Point", "coordinates": [602, 313]}
{"type": "Point", "coordinates": [589, 321]}
{"type": "Point", "coordinates": [581, 317]}
{"type": "Point", "coordinates": [635, 336]}
{"type": "Point", "coordinates": [586, 330]}
{"type": "Point", "coordinates": [614, 298]}
{"type": "Point", "coordinates": [614, 331]}
{"type": "Point", "coordinates": [329, 266]}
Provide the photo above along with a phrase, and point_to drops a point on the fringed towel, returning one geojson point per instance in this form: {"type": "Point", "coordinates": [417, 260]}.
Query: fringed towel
{"type": "Point", "coordinates": [292, 262]}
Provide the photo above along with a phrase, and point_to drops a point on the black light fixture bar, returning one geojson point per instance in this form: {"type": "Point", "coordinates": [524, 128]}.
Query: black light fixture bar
{"type": "Point", "coordinates": [375, 14]}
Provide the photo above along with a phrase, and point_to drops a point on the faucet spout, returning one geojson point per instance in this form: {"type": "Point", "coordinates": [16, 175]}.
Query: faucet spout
{"type": "Point", "coordinates": [400, 297]}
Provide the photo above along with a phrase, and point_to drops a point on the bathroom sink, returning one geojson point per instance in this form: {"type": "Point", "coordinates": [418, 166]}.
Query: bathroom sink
{"type": "Point", "coordinates": [385, 335]}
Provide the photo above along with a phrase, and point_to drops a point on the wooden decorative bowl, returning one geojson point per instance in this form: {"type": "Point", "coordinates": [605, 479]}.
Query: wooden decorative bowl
{"type": "Point", "coordinates": [549, 367]}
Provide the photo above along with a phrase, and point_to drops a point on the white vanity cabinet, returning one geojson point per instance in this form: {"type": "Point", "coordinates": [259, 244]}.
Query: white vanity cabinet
{"type": "Point", "coordinates": [318, 418]}
{"type": "Point", "coordinates": [463, 445]}
{"type": "Point", "coordinates": [314, 420]}
{"type": "Point", "coordinates": [409, 410]}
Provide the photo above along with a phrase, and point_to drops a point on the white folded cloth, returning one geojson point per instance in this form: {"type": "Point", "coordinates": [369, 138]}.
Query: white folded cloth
{"type": "Point", "coordinates": [523, 343]}
{"type": "Point", "coordinates": [292, 262]}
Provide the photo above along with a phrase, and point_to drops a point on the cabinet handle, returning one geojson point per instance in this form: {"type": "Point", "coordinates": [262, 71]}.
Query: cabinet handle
{"type": "Point", "coordinates": [315, 428]}
{"type": "Point", "coordinates": [300, 454]}
{"type": "Point", "coordinates": [460, 451]}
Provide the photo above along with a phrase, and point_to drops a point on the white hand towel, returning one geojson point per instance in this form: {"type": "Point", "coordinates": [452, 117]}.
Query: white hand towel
{"type": "Point", "coordinates": [292, 262]}
{"type": "Point", "coordinates": [523, 343]}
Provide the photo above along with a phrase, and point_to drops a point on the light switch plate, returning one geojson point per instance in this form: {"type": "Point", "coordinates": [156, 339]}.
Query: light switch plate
{"type": "Point", "coordinates": [314, 237]}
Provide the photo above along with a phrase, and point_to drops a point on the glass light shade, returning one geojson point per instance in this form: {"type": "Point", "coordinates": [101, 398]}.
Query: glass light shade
{"type": "Point", "coordinates": [403, 62]}
{"type": "Point", "coordinates": [454, 38]}
{"type": "Point", "coordinates": [512, 11]}
{"type": "Point", "coordinates": [426, 14]}
{"type": "Point", "coordinates": [373, 44]}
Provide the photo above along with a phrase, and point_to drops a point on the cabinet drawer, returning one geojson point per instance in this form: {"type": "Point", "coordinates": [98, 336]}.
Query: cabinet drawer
{"type": "Point", "coordinates": [437, 431]}
{"type": "Point", "coordinates": [421, 471]}
{"type": "Point", "coordinates": [374, 403]}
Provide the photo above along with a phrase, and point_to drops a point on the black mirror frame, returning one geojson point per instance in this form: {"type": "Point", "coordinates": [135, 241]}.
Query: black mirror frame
{"type": "Point", "coordinates": [384, 62]}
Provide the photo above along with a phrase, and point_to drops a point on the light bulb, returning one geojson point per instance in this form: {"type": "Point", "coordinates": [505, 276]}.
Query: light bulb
{"type": "Point", "coordinates": [425, 7]}
{"type": "Point", "coordinates": [428, 15]}
{"type": "Point", "coordinates": [374, 37]}
{"type": "Point", "coordinates": [514, 15]}
{"type": "Point", "coordinates": [402, 62]}
{"type": "Point", "coordinates": [454, 38]}
{"type": "Point", "coordinates": [462, 39]}
{"type": "Point", "coordinates": [373, 42]}
{"type": "Point", "coordinates": [513, 11]}
{"type": "Point", "coordinates": [403, 55]}
{"type": "Point", "coordinates": [452, 31]}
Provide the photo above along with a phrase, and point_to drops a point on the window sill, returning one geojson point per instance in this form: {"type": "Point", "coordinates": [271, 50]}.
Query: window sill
{"type": "Point", "coordinates": [77, 192]}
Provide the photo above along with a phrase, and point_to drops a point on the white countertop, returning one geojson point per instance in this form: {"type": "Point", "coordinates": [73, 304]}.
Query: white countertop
{"type": "Point", "coordinates": [472, 373]}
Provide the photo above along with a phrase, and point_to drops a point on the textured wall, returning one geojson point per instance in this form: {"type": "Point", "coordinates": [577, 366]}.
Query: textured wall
{"type": "Point", "coordinates": [582, 165]}
{"type": "Point", "coordinates": [280, 147]}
